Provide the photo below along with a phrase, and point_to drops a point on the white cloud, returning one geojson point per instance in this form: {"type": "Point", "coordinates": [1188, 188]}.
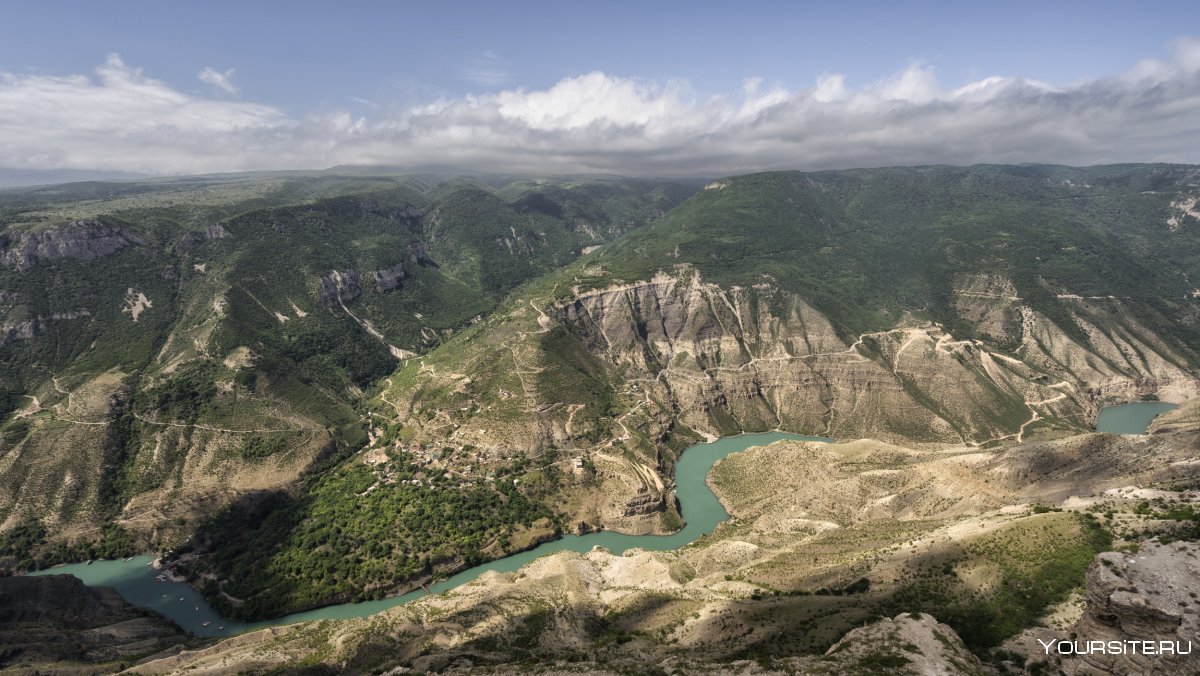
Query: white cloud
{"type": "Point", "coordinates": [830, 87]}
{"type": "Point", "coordinates": [121, 120]}
{"type": "Point", "coordinates": [222, 81]}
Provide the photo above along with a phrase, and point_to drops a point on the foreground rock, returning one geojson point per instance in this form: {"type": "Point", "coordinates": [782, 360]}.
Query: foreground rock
{"type": "Point", "coordinates": [1142, 611]}
{"type": "Point", "coordinates": [906, 644]}
{"type": "Point", "coordinates": [55, 624]}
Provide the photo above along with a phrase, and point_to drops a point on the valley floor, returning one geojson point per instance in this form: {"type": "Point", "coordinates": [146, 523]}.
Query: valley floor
{"type": "Point", "coordinates": [823, 539]}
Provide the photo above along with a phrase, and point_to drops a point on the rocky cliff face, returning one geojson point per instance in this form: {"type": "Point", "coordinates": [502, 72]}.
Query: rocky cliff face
{"type": "Point", "coordinates": [84, 240]}
{"type": "Point", "coordinates": [1147, 596]}
{"type": "Point", "coordinates": [28, 329]}
{"type": "Point", "coordinates": [676, 356]}
{"type": "Point", "coordinates": [214, 231]}
{"type": "Point", "coordinates": [758, 358]}
{"type": "Point", "coordinates": [419, 254]}
{"type": "Point", "coordinates": [915, 643]}
{"type": "Point", "coordinates": [345, 285]}
{"type": "Point", "coordinates": [339, 286]}
{"type": "Point", "coordinates": [1141, 617]}
{"type": "Point", "coordinates": [389, 278]}
{"type": "Point", "coordinates": [392, 277]}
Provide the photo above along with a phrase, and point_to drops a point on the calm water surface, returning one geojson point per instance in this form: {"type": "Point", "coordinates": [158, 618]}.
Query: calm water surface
{"type": "Point", "coordinates": [1131, 418]}
{"type": "Point", "coordinates": [135, 581]}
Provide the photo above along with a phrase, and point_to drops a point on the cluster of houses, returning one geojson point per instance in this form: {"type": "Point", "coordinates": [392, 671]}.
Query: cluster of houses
{"type": "Point", "coordinates": [437, 467]}
{"type": "Point", "coordinates": [442, 467]}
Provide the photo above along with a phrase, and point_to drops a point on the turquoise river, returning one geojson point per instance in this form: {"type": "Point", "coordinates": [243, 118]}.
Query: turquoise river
{"type": "Point", "coordinates": [135, 579]}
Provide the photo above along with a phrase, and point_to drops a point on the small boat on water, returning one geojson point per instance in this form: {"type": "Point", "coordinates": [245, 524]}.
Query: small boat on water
{"type": "Point", "coordinates": [88, 562]}
{"type": "Point", "coordinates": [180, 598]}
{"type": "Point", "coordinates": [206, 624]}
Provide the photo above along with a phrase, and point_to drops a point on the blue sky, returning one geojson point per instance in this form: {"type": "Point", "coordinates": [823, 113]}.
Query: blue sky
{"type": "Point", "coordinates": [305, 55]}
{"type": "Point", "coordinates": [353, 82]}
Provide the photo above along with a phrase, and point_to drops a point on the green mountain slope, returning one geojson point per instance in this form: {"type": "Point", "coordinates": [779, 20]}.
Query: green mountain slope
{"type": "Point", "coordinates": [169, 347]}
{"type": "Point", "coordinates": [866, 246]}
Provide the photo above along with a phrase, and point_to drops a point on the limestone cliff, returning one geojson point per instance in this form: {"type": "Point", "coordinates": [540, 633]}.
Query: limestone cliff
{"type": "Point", "coordinates": [389, 278]}
{"type": "Point", "coordinates": [339, 286]}
{"type": "Point", "coordinates": [84, 240]}
{"type": "Point", "coordinates": [210, 232]}
{"type": "Point", "coordinates": [28, 329]}
{"type": "Point", "coordinates": [677, 358]}
{"type": "Point", "coordinates": [1141, 617]}
{"type": "Point", "coordinates": [1147, 596]}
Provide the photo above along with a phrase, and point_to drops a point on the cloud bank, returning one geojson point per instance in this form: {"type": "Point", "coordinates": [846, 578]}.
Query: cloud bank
{"type": "Point", "coordinates": [222, 81]}
{"type": "Point", "coordinates": [119, 119]}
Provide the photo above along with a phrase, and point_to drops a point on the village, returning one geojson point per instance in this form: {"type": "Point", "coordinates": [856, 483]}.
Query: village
{"type": "Point", "coordinates": [458, 467]}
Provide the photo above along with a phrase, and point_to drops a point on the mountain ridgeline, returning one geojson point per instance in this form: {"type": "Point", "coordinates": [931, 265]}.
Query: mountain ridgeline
{"type": "Point", "coordinates": [324, 388]}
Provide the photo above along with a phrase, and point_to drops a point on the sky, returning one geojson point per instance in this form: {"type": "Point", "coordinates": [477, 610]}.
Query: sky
{"type": "Point", "coordinates": [635, 88]}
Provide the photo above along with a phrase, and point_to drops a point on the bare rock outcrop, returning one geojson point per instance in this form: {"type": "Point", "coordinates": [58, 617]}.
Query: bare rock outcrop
{"type": "Point", "coordinates": [30, 328]}
{"type": "Point", "coordinates": [758, 357]}
{"type": "Point", "coordinates": [83, 240]}
{"type": "Point", "coordinates": [1148, 598]}
{"type": "Point", "coordinates": [1142, 617]}
{"type": "Point", "coordinates": [914, 643]}
{"type": "Point", "coordinates": [419, 254]}
{"type": "Point", "coordinates": [389, 279]}
{"type": "Point", "coordinates": [1184, 418]}
{"type": "Point", "coordinates": [393, 276]}
{"type": "Point", "coordinates": [339, 286]}
{"type": "Point", "coordinates": [215, 231]}
{"type": "Point", "coordinates": [645, 502]}
{"type": "Point", "coordinates": [906, 644]}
